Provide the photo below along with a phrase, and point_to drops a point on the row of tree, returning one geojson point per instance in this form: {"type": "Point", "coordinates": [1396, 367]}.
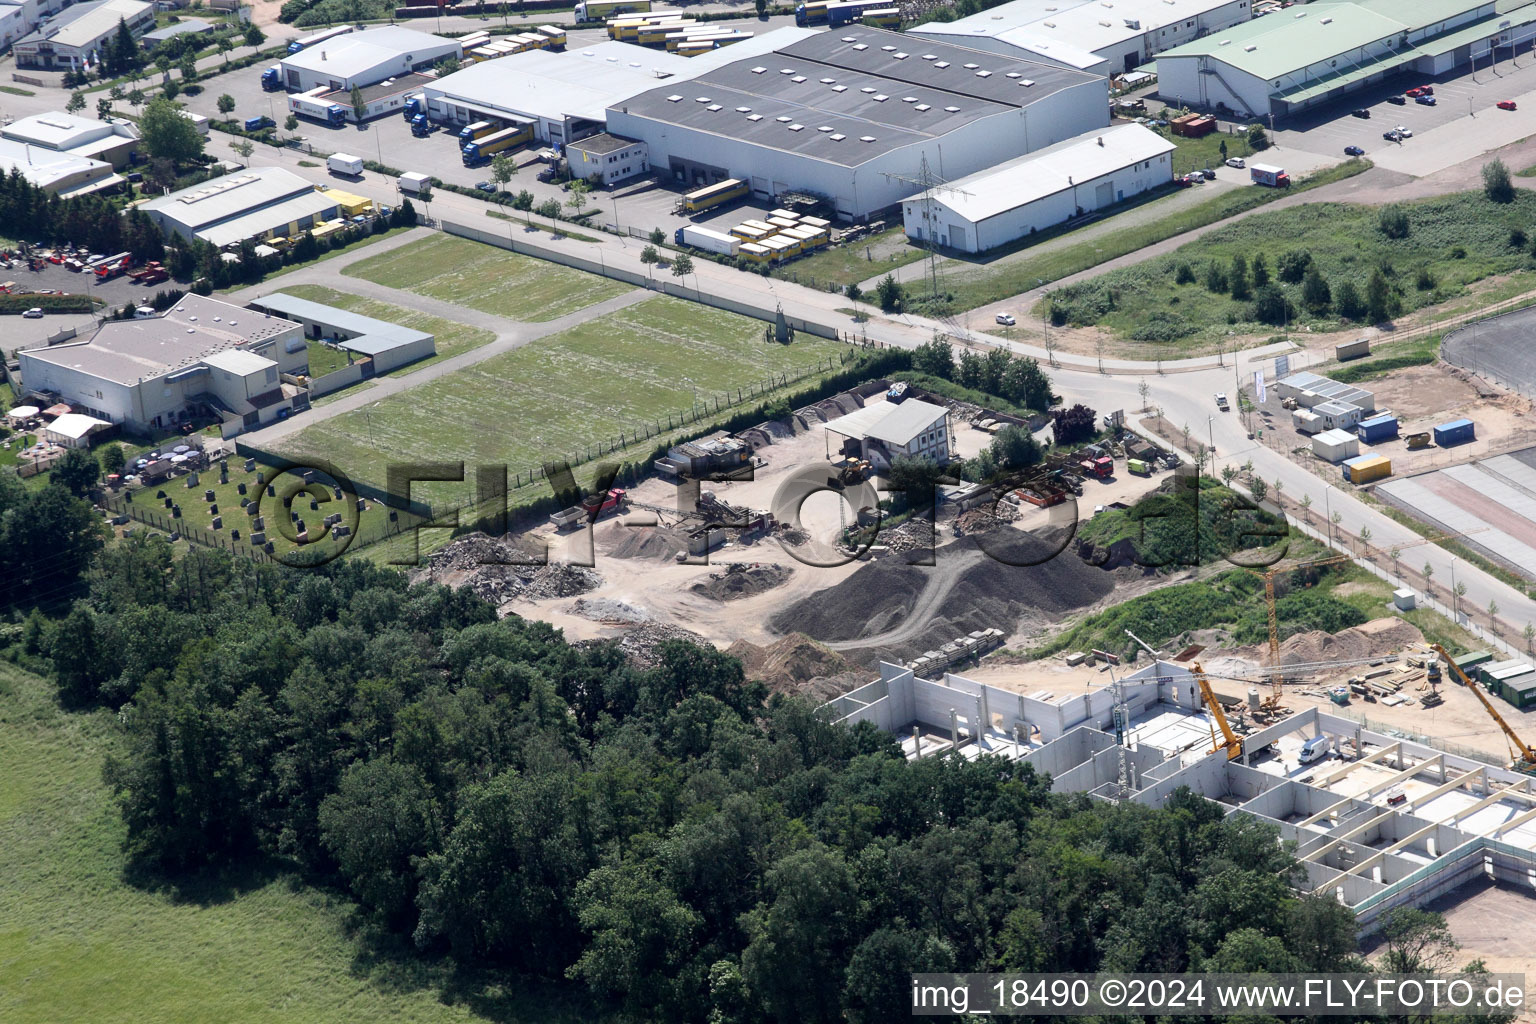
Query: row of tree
{"type": "Point", "coordinates": [1243, 280]}
{"type": "Point", "coordinates": [33, 214]}
{"type": "Point", "coordinates": [1020, 380]}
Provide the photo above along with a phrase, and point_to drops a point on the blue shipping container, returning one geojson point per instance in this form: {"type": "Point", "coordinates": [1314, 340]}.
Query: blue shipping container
{"type": "Point", "coordinates": [1455, 432]}
{"type": "Point", "coordinates": [1378, 429]}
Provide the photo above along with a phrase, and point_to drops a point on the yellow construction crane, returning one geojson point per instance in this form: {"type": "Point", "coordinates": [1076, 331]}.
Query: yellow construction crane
{"type": "Point", "coordinates": [1522, 757]}
{"type": "Point", "coordinates": [1229, 740]}
{"type": "Point", "coordinates": [1275, 675]}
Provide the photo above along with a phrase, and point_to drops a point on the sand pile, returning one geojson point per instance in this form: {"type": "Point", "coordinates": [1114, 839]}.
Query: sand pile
{"type": "Point", "coordinates": [797, 664]}
{"type": "Point", "coordinates": [742, 580]}
{"type": "Point", "coordinates": [1375, 639]}
{"type": "Point", "coordinates": [903, 610]}
{"type": "Point", "coordinates": [653, 542]}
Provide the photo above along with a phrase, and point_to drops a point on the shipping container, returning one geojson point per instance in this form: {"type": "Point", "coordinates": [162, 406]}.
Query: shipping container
{"type": "Point", "coordinates": [713, 195]}
{"type": "Point", "coordinates": [1471, 660]}
{"type": "Point", "coordinates": [1380, 428]}
{"type": "Point", "coordinates": [751, 233]}
{"type": "Point", "coordinates": [710, 241]}
{"type": "Point", "coordinates": [1336, 445]}
{"type": "Point", "coordinates": [1455, 432]}
{"type": "Point", "coordinates": [1352, 349]}
{"type": "Point", "coordinates": [1366, 468]}
{"type": "Point", "coordinates": [593, 10]}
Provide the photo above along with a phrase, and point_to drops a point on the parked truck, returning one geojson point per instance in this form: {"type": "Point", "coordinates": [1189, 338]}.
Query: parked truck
{"type": "Point", "coordinates": [1269, 174]}
{"type": "Point", "coordinates": [710, 241]}
{"type": "Point", "coordinates": [256, 124]}
{"type": "Point", "coordinates": [150, 273]}
{"type": "Point", "coordinates": [310, 105]}
{"type": "Point", "coordinates": [414, 182]}
{"type": "Point", "coordinates": [272, 78]}
{"type": "Point", "coordinates": [596, 10]}
{"type": "Point", "coordinates": [344, 163]}
{"type": "Point", "coordinates": [421, 126]}
{"type": "Point", "coordinates": [415, 103]}
{"type": "Point", "coordinates": [590, 508]}
{"type": "Point", "coordinates": [481, 150]}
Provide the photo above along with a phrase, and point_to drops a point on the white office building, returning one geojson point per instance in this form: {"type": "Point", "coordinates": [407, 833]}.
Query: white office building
{"type": "Point", "coordinates": [1072, 178]}
{"type": "Point", "coordinates": [73, 39]}
{"type": "Point", "coordinates": [115, 142]}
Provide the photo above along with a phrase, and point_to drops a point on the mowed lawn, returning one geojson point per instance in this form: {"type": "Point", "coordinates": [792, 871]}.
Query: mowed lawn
{"type": "Point", "coordinates": [557, 395]}
{"type": "Point", "coordinates": [486, 278]}
{"type": "Point", "coordinates": [450, 337]}
{"type": "Point", "coordinates": [80, 946]}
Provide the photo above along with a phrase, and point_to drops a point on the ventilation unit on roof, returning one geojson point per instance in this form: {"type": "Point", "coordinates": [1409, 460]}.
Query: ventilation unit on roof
{"type": "Point", "coordinates": [888, 49]}
{"type": "Point", "coordinates": [1225, 42]}
{"type": "Point", "coordinates": [839, 88]}
{"type": "Point", "coordinates": [782, 119]}
{"type": "Point", "coordinates": [909, 99]}
{"type": "Point", "coordinates": [850, 39]}
{"type": "Point", "coordinates": [879, 97]}
{"type": "Point", "coordinates": [922, 106]}
{"type": "Point", "coordinates": [786, 71]}
{"type": "Point", "coordinates": [860, 46]}
{"type": "Point", "coordinates": [1050, 24]}
{"type": "Point", "coordinates": [942, 64]}
{"type": "Point", "coordinates": [866, 138]}
{"type": "Point", "coordinates": [824, 128]}
{"type": "Point", "coordinates": [828, 81]}
{"type": "Point", "coordinates": [953, 110]}
{"type": "Point", "coordinates": [701, 99]}
{"type": "Point", "coordinates": [712, 107]}
{"type": "Point", "coordinates": [1027, 82]}
{"type": "Point", "coordinates": [867, 88]}
{"type": "Point", "coordinates": [797, 127]}
{"type": "Point", "coordinates": [1133, 23]}
{"type": "Point", "coordinates": [983, 74]}
{"type": "Point", "coordinates": [1104, 24]}
{"type": "Point", "coordinates": [899, 56]}
{"type": "Point", "coordinates": [1249, 48]}
{"type": "Point", "coordinates": [930, 56]}
{"type": "Point", "coordinates": [743, 110]}
{"type": "Point", "coordinates": [971, 67]}
{"type": "Point", "coordinates": [837, 136]}
{"type": "Point", "coordinates": [1327, 21]}
{"type": "Point", "coordinates": [758, 71]}
{"type": "Point", "coordinates": [1013, 74]}
{"type": "Point", "coordinates": [754, 117]}
{"type": "Point", "coordinates": [798, 79]}
{"type": "Point", "coordinates": [674, 98]}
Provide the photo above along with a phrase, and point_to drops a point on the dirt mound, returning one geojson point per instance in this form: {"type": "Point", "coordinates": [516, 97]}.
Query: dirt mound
{"type": "Point", "coordinates": [655, 542]}
{"type": "Point", "coordinates": [1374, 639]}
{"type": "Point", "coordinates": [741, 580]}
{"type": "Point", "coordinates": [895, 610]}
{"type": "Point", "coordinates": [797, 664]}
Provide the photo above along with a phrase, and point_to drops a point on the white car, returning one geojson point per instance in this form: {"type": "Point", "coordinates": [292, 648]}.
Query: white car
{"type": "Point", "coordinates": [1404, 131]}
{"type": "Point", "coordinates": [1234, 161]}
{"type": "Point", "coordinates": [1221, 401]}
{"type": "Point", "coordinates": [35, 313]}
{"type": "Point", "coordinates": [1006, 319]}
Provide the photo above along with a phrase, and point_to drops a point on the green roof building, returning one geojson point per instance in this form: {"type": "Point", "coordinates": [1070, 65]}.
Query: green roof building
{"type": "Point", "coordinates": [1308, 55]}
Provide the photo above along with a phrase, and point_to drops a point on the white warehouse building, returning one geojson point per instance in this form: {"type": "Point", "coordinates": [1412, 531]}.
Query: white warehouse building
{"type": "Point", "coordinates": [1034, 192]}
{"type": "Point", "coordinates": [73, 39]}
{"type": "Point", "coordinates": [1307, 56]}
{"type": "Point", "coordinates": [365, 58]}
{"type": "Point", "coordinates": [203, 356]}
{"type": "Point", "coordinates": [1107, 37]}
{"type": "Point", "coordinates": [855, 115]}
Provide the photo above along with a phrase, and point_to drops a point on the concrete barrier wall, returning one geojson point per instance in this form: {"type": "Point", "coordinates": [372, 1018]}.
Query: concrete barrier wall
{"type": "Point", "coordinates": [596, 266]}
{"type": "Point", "coordinates": [336, 379]}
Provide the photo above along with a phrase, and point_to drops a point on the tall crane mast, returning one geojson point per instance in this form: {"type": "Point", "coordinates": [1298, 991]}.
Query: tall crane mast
{"type": "Point", "coordinates": [1229, 740]}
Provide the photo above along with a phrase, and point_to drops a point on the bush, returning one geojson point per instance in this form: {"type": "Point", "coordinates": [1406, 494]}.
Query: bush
{"type": "Point", "coordinates": [1271, 306]}
{"type": "Point", "coordinates": [1517, 239]}
{"type": "Point", "coordinates": [1184, 274]}
{"type": "Point", "coordinates": [1161, 326]}
{"type": "Point", "coordinates": [1393, 221]}
{"type": "Point", "coordinates": [1349, 304]}
{"type": "Point", "coordinates": [1293, 265]}
{"type": "Point", "coordinates": [1215, 278]}
{"type": "Point", "coordinates": [1424, 280]}
{"type": "Point", "coordinates": [1496, 183]}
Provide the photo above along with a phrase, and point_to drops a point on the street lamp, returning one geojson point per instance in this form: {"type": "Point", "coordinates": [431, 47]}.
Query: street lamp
{"type": "Point", "coordinates": [1328, 511]}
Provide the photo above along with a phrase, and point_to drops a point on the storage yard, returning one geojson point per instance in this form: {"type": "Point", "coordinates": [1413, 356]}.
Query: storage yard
{"type": "Point", "coordinates": [1490, 502]}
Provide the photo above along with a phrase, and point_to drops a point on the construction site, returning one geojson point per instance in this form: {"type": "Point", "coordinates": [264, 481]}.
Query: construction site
{"type": "Point", "coordinates": [1378, 820]}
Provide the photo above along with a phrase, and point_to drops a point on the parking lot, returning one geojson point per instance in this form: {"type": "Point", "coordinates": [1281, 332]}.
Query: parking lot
{"type": "Point", "coordinates": [18, 332]}
{"type": "Point", "coordinates": [1465, 106]}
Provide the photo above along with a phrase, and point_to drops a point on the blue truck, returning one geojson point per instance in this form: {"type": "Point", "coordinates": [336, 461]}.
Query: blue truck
{"type": "Point", "coordinates": [256, 124]}
{"type": "Point", "coordinates": [421, 126]}
{"type": "Point", "coordinates": [272, 78]}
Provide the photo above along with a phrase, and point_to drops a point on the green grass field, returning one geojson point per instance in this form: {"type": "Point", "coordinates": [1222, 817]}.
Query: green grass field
{"type": "Point", "coordinates": [324, 359]}
{"type": "Point", "coordinates": [1453, 241]}
{"type": "Point", "coordinates": [450, 337]}
{"type": "Point", "coordinates": [559, 394]}
{"type": "Point", "coordinates": [486, 278]}
{"type": "Point", "coordinates": [854, 262]}
{"type": "Point", "coordinates": [1198, 154]}
{"type": "Point", "coordinates": [78, 945]}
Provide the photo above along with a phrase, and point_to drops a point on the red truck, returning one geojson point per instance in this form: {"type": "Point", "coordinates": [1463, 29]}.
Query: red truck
{"type": "Point", "coordinates": [1101, 468]}
{"type": "Point", "coordinates": [106, 270]}
{"type": "Point", "coordinates": [590, 509]}
{"type": "Point", "coordinates": [150, 273]}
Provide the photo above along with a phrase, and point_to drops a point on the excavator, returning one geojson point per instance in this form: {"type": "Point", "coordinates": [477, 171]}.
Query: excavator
{"type": "Point", "coordinates": [1522, 757]}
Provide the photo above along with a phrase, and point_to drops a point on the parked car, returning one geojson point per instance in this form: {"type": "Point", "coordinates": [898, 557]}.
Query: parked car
{"type": "Point", "coordinates": [485, 186]}
{"type": "Point", "coordinates": [1353, 151]}
{"type": "Point", "coordinates": [1404, 131]}
{"type": "Point", "coordinates": [1234, 161]}
{"type": "Point", "coordinates": [1399, 100]}
{"type": "Point", "coordinates": [1006, 319]}
{"type": "Point", "coordinates": [1361, 112]}
{"type": "Point", "coordinates": [35, 313]}
{"type": "Point", "coordinates": [1392, 136]}
{"type": "Point", "coordinates": [1157, 122]}
{"type": "Point", "coordinates": [1194, 178]}
{"type": "Point", "coordinates": [1425, 101]}
{"type": "Point", "coordinates": [1506, 104]}
{"type": "Point", "coordinates": [1420, 90]}
{"type": "Point", "coordinates": [1208, 174]}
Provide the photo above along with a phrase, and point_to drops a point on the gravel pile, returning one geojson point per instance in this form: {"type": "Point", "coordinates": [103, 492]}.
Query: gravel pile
{"type": "Point", "coordinates": [498, 570]}
{"type": "Point", "coordinates": [985, 519]}
{"type": "Point", "coordinates": [609, 609]}
{"type": "Point", "coordinates": [654, 542]}
{"type": "Point", "coordinates": [741, 580]}
{"type": "Point", "coordinates": [916, 534]}
{"type": "Point", "coordinates": [964, 590]}
{"type": "Point", "coordinates": [798, 664]}
{"type": "Point", "coordinates": [640, 644]}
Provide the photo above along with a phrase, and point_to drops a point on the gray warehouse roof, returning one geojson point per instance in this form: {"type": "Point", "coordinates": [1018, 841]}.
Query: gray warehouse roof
{"type": "Point", "coordinates": [127, 351]}
{"type": "Point", "coordinates": [891, 422]}
{"type": "Point", "coordinates": [229, 196]}
{"type": "Point", "coordinates": [373, 336]}
{"type": "Point", "coordinates": [360, 52]}
{"type": "Point", "coordinates": [848, 95]}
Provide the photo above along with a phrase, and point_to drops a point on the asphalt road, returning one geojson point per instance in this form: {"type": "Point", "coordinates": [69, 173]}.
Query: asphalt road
{"type": "Point", "coordinates": [1498, 348]}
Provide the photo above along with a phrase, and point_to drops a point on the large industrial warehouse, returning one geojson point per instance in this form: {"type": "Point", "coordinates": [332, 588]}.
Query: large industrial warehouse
{"type": "Point", "coordinates": [1106, 38]}
{"type": "Point", "coordinates": [1002, 204]}
{"type": "Point", "coordinates": [1307, 56]}
{"type": "Point", "coordinates": [854, 115]}
{"type": "Point", "coordinates": [364, 58]}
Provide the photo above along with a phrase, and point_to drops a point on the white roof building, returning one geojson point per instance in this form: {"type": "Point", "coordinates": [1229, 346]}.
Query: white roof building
{"type": "Point", "coordinates": [202, 355]}
{"type": "Point", "coordinates": [74, 38]}
{"type": "Point", "coordinates": [112, 141]}
{"type": "Point", "coordinates": [258, 203]}
{"type": "Point", "coordinates": [366, 57]}
{"type": "Point", "coordinates": [1004, 203]}
{"type": "Point", "coordinates": [64, 174]}
{"type": "Point", "coordinates": [888, 430]}
{"type": "Point", "coordinates": [1091, 35]}
{"type": "Point", "coordinates": [74, 429]}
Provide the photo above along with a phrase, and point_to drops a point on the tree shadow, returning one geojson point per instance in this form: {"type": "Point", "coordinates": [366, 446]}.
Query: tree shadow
{"type": "Point", "coordinates": [210, 887]}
